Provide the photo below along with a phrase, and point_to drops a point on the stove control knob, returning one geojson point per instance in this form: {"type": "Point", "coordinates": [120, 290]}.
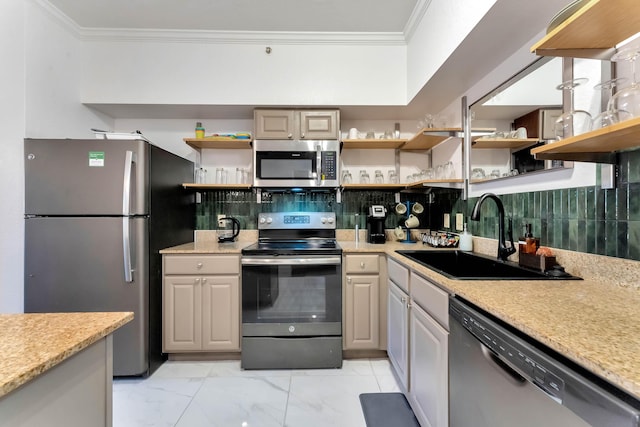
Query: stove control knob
{"type": "Point", "coordinates": [323, 220]}
{"type": "Point", "coordinates": [269, 220]}
{"type": "Point", "coordinates": [262, 220]}
{"type": "Point", "coordinates": [330, 220]}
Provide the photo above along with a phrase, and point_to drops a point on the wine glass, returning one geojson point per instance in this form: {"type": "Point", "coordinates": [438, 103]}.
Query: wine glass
{"type": "Point", "coordinates": [609, 116]}
{"type": "Point", "coordinates": [573, 122]}
{"type": "Point", "coordinates": [627, 100]}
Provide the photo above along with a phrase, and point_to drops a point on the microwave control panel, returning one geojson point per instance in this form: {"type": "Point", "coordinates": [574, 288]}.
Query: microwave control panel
{"type": "Point", "coordinates": [329, 165]}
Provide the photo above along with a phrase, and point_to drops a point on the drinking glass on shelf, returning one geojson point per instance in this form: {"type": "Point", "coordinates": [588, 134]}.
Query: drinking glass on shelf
{"type": "Point", "coordinates": [609, 116]}
{"type": "Point", "coordinates": [449, 172]}
{"type": "Point", "coordinates": [627, 100]}
{"type": "Point", "coordinates": [573, 122]}
{"type": "Point", "coordinates": [392, 176]}
{"type": "Point", "coordinates": [440, 172]}
{"type": "Point", "coordinates": [364, 177]}
{"type": "Point", "coordinates": [378, 178]}
{"type": "Point", "coordinates": [346, 177]}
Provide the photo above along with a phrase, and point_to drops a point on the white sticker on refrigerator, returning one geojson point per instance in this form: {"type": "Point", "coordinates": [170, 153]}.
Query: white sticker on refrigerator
{"type": "Point", "coordinates": [96, 159]}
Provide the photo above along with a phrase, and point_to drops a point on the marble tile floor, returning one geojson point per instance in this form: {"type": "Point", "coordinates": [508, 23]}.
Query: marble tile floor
{"type": "Point", "coordinates": [220, 394]}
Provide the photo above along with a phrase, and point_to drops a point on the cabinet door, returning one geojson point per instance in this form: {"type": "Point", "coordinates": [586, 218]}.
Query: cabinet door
{"type": "Point", "coordinates": [398, 333]}
{"type": "Point", "coordinates": [274, 124]}
{"type": "Point", "coordinates": [319, 125]}
{"type": "Point", "coordinates": [182, 313]}
{"type": "Point", "coordinates": [362, 324]}
{"type": "Point", "coordinates": [221, 313]}
{"type": "Point", "coordinates": [429, 394]}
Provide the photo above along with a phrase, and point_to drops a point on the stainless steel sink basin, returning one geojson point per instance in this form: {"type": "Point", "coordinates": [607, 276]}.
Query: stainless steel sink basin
{"type": "Point", "coordinates": [469, 266]}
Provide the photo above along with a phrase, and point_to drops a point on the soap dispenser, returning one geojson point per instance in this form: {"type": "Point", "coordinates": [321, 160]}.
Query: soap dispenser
{"type": "Point", "coordinates": [466, 240]}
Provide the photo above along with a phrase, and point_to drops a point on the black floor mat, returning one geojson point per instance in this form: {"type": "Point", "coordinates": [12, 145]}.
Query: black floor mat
{"type": "Point", "coordinates": [387, 410]}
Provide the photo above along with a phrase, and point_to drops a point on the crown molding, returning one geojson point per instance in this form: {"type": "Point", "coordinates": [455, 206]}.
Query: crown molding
{"type": "Point", "coordinates": [241, 37]}
{"type": "Point", "coordinates": [222, 37]}
{"type": "Point", "coordinates": [416, 17]}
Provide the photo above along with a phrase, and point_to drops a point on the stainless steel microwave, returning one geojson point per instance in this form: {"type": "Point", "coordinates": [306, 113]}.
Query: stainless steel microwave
{"type": "Point", "coordinates": [294, 164]}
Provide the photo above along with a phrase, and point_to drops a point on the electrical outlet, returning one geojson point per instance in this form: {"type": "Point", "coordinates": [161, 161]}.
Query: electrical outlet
{"type": "Point", "coordinates": [459, 221]}
{"type": "Point", "coordinates": [221, 223]}
{"type": "Point", "coordinates": [447, 221]}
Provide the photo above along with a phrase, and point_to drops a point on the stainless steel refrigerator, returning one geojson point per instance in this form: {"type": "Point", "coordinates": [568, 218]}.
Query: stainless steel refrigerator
{"type": "Point", "coordinates": [96, 214]}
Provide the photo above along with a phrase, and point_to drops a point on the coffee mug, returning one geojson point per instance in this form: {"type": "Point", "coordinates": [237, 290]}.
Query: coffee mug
{"type": "Point", "coordinates": [401, 209]}
{"type": "Point", "coordinates": [399, 233]}
{"type": "Point", "coordinates": [353, 133]}
{"type": "Point", "coordinates": [412, 221]}
{"type": "Point", "coordinates": [417, 208]}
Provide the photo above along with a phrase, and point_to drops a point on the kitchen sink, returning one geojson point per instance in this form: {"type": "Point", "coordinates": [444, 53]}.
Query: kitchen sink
{"type": "Point", "coordinates": [461, 265]}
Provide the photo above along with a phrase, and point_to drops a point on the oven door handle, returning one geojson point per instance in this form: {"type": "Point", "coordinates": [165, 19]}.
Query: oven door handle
{"type": "Point", "coordinates": [276, 260]}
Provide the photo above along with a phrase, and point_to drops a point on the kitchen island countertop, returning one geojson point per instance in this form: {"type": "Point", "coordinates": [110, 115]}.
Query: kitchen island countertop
{"type": "Point", "coordinates": [33, 343]}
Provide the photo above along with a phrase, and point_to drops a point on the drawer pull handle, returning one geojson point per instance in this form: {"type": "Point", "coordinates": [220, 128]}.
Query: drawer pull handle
{"type": "Point", "coordinates": [199, 265]}
{"type": "Point", "coordinates": [197, 281]}
{"type": "Point", "coordinates": [349, 280]}
{"type": "Point", "coordinates": [204, 281]}
{"type": "Point", "coordinates": [362, 265]}
{"type": "Point", "coordinates": [403, 300]}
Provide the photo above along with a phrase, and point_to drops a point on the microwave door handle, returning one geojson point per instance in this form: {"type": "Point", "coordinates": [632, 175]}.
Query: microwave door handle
{"type": "Point", "coordinates": [319, 164]}
{"type": "Point", "coordinates": [129, 160]}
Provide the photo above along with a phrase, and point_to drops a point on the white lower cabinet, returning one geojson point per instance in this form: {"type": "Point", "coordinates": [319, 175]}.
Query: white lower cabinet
{"type": "Point", "coordinates": [201, 303]}
{"type": "Point", "coordinates": [428, 359]}
{"type": "Point", "coordinates": [419, 343]}
{"type": "Point", "coordinates": [398, 333]}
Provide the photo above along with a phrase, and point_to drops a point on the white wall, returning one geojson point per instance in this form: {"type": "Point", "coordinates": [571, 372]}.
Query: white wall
{"type": "Point", "coordinates": [11, 163]}
{"type": "Point", "coordinates": [54, 66]}
{"type": "Point", "coordinates": [172, 72]}
{"type": "Point", "coordinates": [439, 33]}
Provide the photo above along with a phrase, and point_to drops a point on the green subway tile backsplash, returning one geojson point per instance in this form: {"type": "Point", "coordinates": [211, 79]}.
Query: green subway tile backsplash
{"type": "Point", "coordinates": [586, 219]}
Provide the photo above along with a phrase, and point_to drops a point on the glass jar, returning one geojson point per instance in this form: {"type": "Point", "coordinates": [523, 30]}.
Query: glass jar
{"type": "Point", "coordinates": [364, 177]}
{"type": "Point", "coordinates": [378, 178]}
{"type": "Point", "coordinates": [346, 177]}
{"type": "Point", "coordinates": [392, 177]}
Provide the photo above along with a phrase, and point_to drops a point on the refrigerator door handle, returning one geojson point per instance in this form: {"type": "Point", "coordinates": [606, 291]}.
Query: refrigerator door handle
{"type": "Point", "coordinates": [126, 205]}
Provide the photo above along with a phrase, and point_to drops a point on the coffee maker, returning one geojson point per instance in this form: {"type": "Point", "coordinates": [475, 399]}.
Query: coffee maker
{"type": "Point", "coordinates": [375, 224]}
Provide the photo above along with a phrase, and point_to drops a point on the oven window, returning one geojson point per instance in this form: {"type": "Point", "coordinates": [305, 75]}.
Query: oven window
{"type": "Point", "coordinates": [285, 293]}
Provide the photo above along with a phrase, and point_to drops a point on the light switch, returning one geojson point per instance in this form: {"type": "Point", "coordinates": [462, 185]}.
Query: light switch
{"type": "Point", "coordinates": [459, 221]}
{"type": "Point", "coordinates": [447, 221]}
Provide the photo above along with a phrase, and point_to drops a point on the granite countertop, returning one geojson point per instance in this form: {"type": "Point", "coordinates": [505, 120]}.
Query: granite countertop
{"type": "Point", "coordinates": [32, 343]}
{"type": "Point", "coordinates": [589, 322]}
{"type": "Point", "coordinates": [592, 322]}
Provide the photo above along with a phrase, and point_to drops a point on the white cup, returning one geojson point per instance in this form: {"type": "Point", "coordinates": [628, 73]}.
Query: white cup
{"type": "Point", "coordinates": [353, 133]}
{"type": "Point", "coordinates": [399, 233]}
{"type": "Point", "coordinates": [521, 133]}
{"type": "Point", "coordinates": [412, 221]}
{"type": "Point", "coordinates": [401, 209]}
{"type": "Point", "coordinates": [417, 208]}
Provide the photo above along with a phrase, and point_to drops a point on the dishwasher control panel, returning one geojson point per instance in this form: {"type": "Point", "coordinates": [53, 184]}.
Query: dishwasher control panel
{"type": "Point", "coordinates": [507, 348]}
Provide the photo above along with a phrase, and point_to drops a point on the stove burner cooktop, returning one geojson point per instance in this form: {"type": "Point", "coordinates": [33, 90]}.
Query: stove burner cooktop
{"type": "Point", "coordinates": [292, 247]}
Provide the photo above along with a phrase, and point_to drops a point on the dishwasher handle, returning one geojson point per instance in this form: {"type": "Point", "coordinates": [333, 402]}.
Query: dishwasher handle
{"type": "Point", "coordinates": [511, 373]}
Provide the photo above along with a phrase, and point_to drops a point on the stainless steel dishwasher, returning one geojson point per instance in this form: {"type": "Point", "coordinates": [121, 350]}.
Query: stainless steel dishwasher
{"type": "Point", "coordinates": [501, 378]}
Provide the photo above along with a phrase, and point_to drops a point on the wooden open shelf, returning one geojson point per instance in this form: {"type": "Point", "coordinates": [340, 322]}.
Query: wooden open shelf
{"type": "Point", "coordinates": [514, 144]}
{"type": "Point", "coordinates": [373, 186]}
{"type": "Point", "coordinates": [193, 186]}
{"type": "Point", "coordinates": [593, 31]}
{"type": "Point", "coordinates": [620, 136]}
{"type": "Point", "coordinates": [427, 138]}
{"type": "Point", "coordinates": [372, 143]}
{"type": "Point", "coordinates": [219, 142]}
{"type": "Point", "coordinates": [453, 183]}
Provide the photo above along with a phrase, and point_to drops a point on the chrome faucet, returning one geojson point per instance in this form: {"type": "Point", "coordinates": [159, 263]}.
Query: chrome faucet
{"type": "Point", "coordinates": [503, 250]}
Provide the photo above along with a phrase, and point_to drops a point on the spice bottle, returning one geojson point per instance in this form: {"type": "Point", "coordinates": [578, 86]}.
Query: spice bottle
{"type": "Point", "coordinates": [199, 130]}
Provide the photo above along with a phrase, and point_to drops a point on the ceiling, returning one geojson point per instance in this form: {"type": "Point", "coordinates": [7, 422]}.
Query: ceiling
{"type": "Point", "coordinates": [506, 27]}
{"type": "Point", "coordinates": [242, 15]}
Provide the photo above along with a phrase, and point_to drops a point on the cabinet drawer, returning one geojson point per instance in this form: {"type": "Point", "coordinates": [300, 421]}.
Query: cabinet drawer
{"type": "Point", "coordinates": [398, 274]}
{"type": "Point", "coordinates": [361, 264]}
{"type": "Point", "coordinates": [431, 298]}
{"type": "Point", "coordinates": [201, 264]}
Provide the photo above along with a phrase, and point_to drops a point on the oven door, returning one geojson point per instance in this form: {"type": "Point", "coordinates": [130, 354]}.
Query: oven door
{"type": "Point", "coordinates": [291, 295]}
